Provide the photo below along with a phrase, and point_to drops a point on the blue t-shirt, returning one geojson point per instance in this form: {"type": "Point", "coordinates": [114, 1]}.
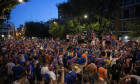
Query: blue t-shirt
{"type": "Point", "coordinates": [70, 78]}
{"type": "Point", "coordinates": [26, 57]}
{"type": "Point", "coordinates": [31, 50]}
{"type": "Point", "coordinates": [81, 61]}
{"type": "Point", "coordinates": [78, 54]}
{"type": "Point", "coordinates": [138, 55]}
{"type": "Point", "coordinates": [17, 71]}
{"type": "Point", "coordinates": [30, 68]}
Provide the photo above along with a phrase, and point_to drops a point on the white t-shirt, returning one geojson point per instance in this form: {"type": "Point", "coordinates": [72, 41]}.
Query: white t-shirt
{"type": "Point", "coordinates": [67, 37]}
{"type": "Point", "coordinates": [93, 42]}
{"type": "Point", "coordinates": [113, 60]}
{"type": "Point", "coordinates": [60, 58]}
{"type": "Point", "coordinates": [15, 82]}
{"type": "Point", "coordinates": [138, 78]}
{"type": "Point", "coordinates": [22, 58]}
{"type": "Point", "coordinates": [44, 70]}
{"type": "Point", "coordinates": [52, 75]}
{"type": "Point", "coordinates": [9, 67]}
{"type": "Point", "coordinates": [36, 62]}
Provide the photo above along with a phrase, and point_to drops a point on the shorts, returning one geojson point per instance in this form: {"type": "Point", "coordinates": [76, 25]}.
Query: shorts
{"type": "Point", "coordinates": [107, 42]}
{"type": "Point", "coordinates": [92, 78]}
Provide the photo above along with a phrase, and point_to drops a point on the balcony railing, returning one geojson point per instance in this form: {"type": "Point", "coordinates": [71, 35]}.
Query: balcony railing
{"type": "Point", "coordinates": [126, 3]}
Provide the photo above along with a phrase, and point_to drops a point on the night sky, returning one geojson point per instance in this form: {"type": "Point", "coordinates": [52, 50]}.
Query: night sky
{"type": "Point", "coordinates": [35, 10]}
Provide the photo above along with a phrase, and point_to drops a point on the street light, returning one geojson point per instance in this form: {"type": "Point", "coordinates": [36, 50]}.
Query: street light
{"type": "Point", "coordinates": [2, 36]}
{"type": "Point", "coordinates": [54, 22]}
{"type": "Point", "coordinates": [85, 16]}
{"type": "Point", "coordinates": [126, 37]}
{"type": "Point", "coordinates": [20, 1]}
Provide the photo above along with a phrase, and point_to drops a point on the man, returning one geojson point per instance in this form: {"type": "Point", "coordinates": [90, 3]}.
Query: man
{"type": "Point", "coordinates": [70, 76]}
{"type": "Point", "coordinates": [114, 58]}
{"type": "Point", "coordinates": [22, 79]}
{"type": "Point", "coordinates": [99, 60]}
{"type": "Point", "coordinates": [45, 69]}
{"type": "Point", "coordinates": [92, 72]}
{"type": "Point", "coordinates": [9, 67]}
{"type": "Point", "coordinates": [67, 37]}
{"type": "Point", "coordinates": [48, 58]}
{"type": "Point", "coordinates": [17, 71]}
{"type": "Point", "coordinates": [108, 39]}
{"type": "Point", "coordinates": [134, 79]}
{"type": "Point", "coordinates": [52, 76]}
{"type": "Point", "coordinates": [29, 72]}
{"type": "Point", "coordinates": [102, 73]}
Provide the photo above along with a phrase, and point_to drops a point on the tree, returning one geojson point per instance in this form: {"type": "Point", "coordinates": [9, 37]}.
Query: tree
{"type": "Point", "coordinates": [56, 30]}
{"type": "Point", "coordinates": [5, 8]}
{"type": "Point", "coordinates": [97, 10]}
{"type": "Point", "coordinates": [134, 28]}
{"type": "Point", "coordinates": [36, 29]}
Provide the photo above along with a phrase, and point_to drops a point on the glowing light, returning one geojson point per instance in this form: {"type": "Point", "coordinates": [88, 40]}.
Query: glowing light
{"type": "Point", "coordinates": [2, 35]}
{"type": "Point", "coordinates": [85, 16]}
{"type": "Point", "coordinates": [20, 1]}
{"type": "Point", "coordinates": [126, 37]}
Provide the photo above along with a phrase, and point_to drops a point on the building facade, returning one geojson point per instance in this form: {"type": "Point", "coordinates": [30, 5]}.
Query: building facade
{"type": "Point", "coordinates": [129, 13]}
{"type": "Point", "coordinates": [7, 30]}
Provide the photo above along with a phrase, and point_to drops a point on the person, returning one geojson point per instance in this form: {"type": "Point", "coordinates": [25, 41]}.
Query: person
{"type": "Point", "coordinates": [67, 37]}
{"type": "Point", "coordinates": [114, 58]}
{"type": "Point", "coordinates": [17, 71]}
{"type": "Point", "coordinates": [99, 60]}
{"type": "Point", "coordinates": [116, 71]}
{"type": "Point", "coordinates": [91, 70]}
{"type": "Point", "coordinates": [9, 67]}
{"type": "Point", "coordinates": [134, 79]}
{"type": "Point", "coordinates": [102, 73]}
{"type": "Point", "coordinates": [30, 72]}
{"type": "Point", "coordinates": [22, 79]}
{"type": "Point", "coordinates": [108, 39]}
{"type": "Point", "coordinates": [70, 76]}
{"type": "Point", "coordinates": [48, 58]}
{"type": "Point", "coordinates": [45, 69]}
{"type": "Point", "coordinates": [52, 76]}
{"type": "Point", "coordinates": [38, 73]}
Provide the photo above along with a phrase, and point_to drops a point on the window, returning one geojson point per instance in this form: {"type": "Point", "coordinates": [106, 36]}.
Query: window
{"type": "Point", "coordinates": [137, 1]}
{"type": "Point", "coordinates": [126, 2]}
{"type": "Point", "coordinates": [137, 11]}
{"type": "Point", "coordinates": [126, 13]}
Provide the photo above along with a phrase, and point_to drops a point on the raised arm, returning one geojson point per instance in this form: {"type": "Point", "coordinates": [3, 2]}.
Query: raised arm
{"type": "Point", "coordinates": [85, 63]}
{"type": "Point", "coordinates": [62, 77]}
{"type": "Point", "coordinates": [121, 55]}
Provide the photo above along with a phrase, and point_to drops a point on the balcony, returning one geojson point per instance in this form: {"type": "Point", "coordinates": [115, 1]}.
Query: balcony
{"type": "Point", "coordinates": [129, 4]}
{"type": "Point", "coordinates": [126, 3]}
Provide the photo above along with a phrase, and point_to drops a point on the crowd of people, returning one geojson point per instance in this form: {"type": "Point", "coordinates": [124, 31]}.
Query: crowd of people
{"type": "Point", "coordinates": [80, 59]}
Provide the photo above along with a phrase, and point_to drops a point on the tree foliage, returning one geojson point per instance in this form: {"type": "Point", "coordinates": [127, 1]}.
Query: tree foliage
{"type": "Point", "coordinates": [99, 11]}
{"type": "Point", "coordinates": [56, 30]}
{"type": "Point", "coordinates": [36, 29]}
{"type": "Point", "coordinates": [134, 28]}
{"type": "Point", "coordinates": [5, 8]}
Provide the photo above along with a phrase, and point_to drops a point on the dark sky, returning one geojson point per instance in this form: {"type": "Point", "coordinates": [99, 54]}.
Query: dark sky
{"type": "Point", "coordinates": [35, 10]}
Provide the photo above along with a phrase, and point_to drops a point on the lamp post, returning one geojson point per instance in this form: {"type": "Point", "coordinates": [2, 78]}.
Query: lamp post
{"type": "Point", "coordinates": [85, 16]}
{"type": "Point", "coordinates": [54, 22]}
{"type": "Point", "coordinates": [20, 1]}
